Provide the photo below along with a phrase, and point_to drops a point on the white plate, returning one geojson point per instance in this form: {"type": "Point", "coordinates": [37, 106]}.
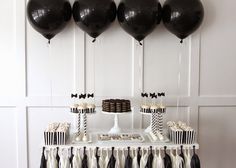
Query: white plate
{"type": "Point", "coordinates": [122, 140]}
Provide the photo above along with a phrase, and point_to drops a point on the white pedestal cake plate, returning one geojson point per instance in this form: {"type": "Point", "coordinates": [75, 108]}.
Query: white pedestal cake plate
{"type": "Point", "coordinates": [149, 128]}
{"type": "Point", "coordinates": [116, 128]}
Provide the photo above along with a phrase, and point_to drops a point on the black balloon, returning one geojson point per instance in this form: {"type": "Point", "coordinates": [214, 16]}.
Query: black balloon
{"type": "Point", "coordinates": [94, 16]}
{"type": "Point", "coordinates": [182, 17]}
{"type": "Point", "coordinates": [48, 17]}
{"type": "Point", "coordinates": [139, 17]}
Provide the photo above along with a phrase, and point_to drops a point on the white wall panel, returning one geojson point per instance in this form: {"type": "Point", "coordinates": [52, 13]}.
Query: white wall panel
{"type": "Point", "coordinates": [217, 136]}
{"type": "Point", "coordinates": [51, 66]}
{"type": "Point", "coordinates": [7, 45]}
{"type": "Point", "coordinates": [164, 59]}
{"type": "Point", "coordinates": [116, 66]}
{"type": "Point", "coordinates": [108, 62]}
{"type": "Point", "coordinates": [8, 140]}
{"type": "Point", "coordinates": [218, 49]}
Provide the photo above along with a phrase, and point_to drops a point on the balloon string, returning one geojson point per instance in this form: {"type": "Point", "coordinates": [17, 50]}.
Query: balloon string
{"type": "Point", "coordinates": [94, 48]}
{"type": "Point", "coordinates": [50, 61]}
{"type": "Point", "coordinates": [179, 79]}
{"type": "Point", "coordinates": [94, 70]}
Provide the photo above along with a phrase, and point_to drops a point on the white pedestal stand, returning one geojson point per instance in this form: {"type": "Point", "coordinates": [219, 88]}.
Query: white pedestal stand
{"type": "Point", "coordinates": [149, 128]}
{"type": "Point", "coordinates": [79, 136]}
{"type": "Point", "coordinates": [116, 128]}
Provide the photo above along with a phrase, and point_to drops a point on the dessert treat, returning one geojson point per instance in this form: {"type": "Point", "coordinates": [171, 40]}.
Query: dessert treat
{"type": "Point", "coordinates": [121, 137]}
{"type": "Point", "coordinates": [104, 137]}
{"type": "Point", "coordinates": [83, 107]}
{"type": "Point", "coordinates": [73, 108]}
{"type": "Point", "coordinates": [181, 133]}
{"type": "Point", "coordinates": [116, 105]}
{"type": "Point", "coordinates": [154, 106]}
{"type": "Point", "coordinates": [161, 106]}
{"type": "Point", "coordinates": [145, 108]}
{"type": "Point", "coordinates": [56, 134]}
{"type": "Point", "coordinates": [90, 106]}
{"type": "Point", "coordinates": [156, 110]}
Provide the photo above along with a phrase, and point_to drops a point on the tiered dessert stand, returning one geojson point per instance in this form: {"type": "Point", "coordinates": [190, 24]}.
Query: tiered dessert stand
{"type": "Point", "coordinates": [155, 130]}
{"type": "Point", "coordinates": [82, 110]}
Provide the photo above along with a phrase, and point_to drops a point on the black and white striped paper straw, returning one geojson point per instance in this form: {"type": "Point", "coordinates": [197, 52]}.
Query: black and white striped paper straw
{"type": "Point", "coordinates": [154, 122]}
{"type": "Point", "coordinates": [78, 126]}
{"type": "Point", "coordinates": [85, 124]}
{"type": "Point", "coordinates": [160, 122]}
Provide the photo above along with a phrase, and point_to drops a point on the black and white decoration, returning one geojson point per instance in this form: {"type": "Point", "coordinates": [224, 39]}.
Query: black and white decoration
{"type": "Point", "coordinates": [56, 134]}
{"type": "Point", "coordinates": [156, 109]}
{"type": "Point", "coordinates": [117, 157]}
{"type": "Point", "coordinates": [84, 106]}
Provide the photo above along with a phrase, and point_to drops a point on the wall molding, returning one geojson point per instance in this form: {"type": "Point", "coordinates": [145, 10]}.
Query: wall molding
{"type": "Point", "coordinates": [193, 101]}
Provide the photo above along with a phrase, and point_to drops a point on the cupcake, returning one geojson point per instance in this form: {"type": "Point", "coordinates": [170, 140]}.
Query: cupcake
{"type": "Point", "coordinates": [73, 108]}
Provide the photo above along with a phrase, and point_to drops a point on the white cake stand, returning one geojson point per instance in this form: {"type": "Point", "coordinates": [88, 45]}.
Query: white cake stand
{"type": "Point", "coordinates": [149, 128]}
{"type": "Point", "coordinates": [116, 128]}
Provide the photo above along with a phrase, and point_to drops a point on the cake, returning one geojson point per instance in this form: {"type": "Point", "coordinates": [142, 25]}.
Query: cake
{"type": "Point", "coordinates": [116, 105]}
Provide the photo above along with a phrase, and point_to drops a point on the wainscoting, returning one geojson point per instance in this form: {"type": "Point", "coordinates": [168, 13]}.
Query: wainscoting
{"type": "Point", "coordinates": [37, 80]}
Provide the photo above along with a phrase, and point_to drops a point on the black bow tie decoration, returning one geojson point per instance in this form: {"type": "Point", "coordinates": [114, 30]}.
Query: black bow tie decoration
{"type": "Point", "coordinates": [161, 94]}
{"type": "Point", "coordinates": [82, 96]}
{"type": "Point", "coordinates": [144, 94]}
{"type": "Point", "coordinates": [74, 95]}
{"type": "Point", "coordinates": [90, 95]}
{"type": "Point", "coordinates": [153, 95]}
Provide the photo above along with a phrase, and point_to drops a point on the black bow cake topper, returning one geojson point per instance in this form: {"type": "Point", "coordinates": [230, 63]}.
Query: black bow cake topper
{"type": "Point", "coordinates": [144, 94]}
{"type": "Point", "coordinates": [74, 95]}
{"type": "Point", "coordinates": [161, 94]}
{"type": "Point", "coordinates": [153, 95]}
{"type": "Point", "coordinates": [82, 96]}
{"type": "Point", "coordinates": [90, 95]}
